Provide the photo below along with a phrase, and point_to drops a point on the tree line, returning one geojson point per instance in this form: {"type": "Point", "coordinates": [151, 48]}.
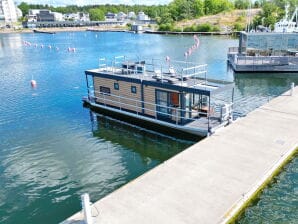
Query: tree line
{"type": "Point", "coordinates": [177, 10]}
{"type": "Point", "coordinates": [273, 11]}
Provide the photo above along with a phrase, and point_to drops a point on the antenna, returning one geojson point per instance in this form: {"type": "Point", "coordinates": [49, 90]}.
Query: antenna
{"type": "Point", "coordinates": [248, 16]}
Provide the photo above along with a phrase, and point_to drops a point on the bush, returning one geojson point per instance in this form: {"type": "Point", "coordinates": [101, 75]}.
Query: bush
{"type": "Point", "coordinates": [206, 27]}
{"type": "Point", "coordinates": [177, 29]}
{"type": "Point", "coordinates": [238, 27]}
{"type": "Point", "coordinates": [216, 29]}
{"type": "Point", "coordinates": [165, 27]}
{"type": "Point", "coordinates": [189, 29]}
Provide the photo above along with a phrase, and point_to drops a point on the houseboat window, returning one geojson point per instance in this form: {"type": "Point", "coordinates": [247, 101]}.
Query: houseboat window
{"type": "Point", "coordinates": [116, 86]}
{"type": "Point", "coordinates": [133, 89]}
{"type": "Point", "coordinates": [104, 90]}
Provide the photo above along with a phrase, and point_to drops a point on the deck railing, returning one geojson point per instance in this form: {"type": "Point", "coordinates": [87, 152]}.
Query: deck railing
{"type": "Point", "coordinates": [219, 112]}
{"type": "Point", "coordinates": [236, 49]}
{"type": "Point", "coordinates": [157, 67]}
{"type": "Point", "coordinates": [264, 60]}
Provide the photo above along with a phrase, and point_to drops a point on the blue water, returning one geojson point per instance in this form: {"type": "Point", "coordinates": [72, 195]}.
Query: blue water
{"type": "Point", "coordinates": [52, 149]}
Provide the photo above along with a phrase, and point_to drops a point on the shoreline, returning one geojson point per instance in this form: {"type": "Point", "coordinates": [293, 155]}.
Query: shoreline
{"type": "Point", "coordinates": [58, 29]}
{"type": "Point", "coordinates": [107, 29]}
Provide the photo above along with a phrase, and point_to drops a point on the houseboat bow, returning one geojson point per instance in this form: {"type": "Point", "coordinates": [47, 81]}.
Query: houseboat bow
{"type": "Point", "coordinates": [167, 96]}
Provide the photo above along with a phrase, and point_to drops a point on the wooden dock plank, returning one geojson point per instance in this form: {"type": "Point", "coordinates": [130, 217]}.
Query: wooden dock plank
{"type": "Point", "coordinates": [208, 182]}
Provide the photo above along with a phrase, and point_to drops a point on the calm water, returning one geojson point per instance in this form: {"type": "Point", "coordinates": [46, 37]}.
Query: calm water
{"type": "Point", "coordinates": [52, 149]}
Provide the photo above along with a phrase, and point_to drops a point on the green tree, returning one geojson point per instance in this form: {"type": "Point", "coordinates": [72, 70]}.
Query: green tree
{"type": "Point", "coordinates": [242, 4]}
{"type": "Point", "coordinates": [186, 9]}
{"type": "Point", "coordinates": [24, 7]}
{"type": "Point", "coordinates": [270, 14]}
{"type": "Point", "coordinates": [96, 14]}
{"type": "Point", "coordinates": [217, 6]}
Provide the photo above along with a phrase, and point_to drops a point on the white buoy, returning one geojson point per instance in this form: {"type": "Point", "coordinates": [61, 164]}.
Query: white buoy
{"type": "Point", "coordinates": [33, 83]}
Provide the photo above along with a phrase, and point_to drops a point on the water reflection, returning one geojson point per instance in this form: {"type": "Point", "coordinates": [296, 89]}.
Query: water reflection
{"type": "Point", "coordinates": [264, 83]}
{"type": "Point", "coordinates": [148, 145]}
{"type": "Point", "coordinates": [253, 90]}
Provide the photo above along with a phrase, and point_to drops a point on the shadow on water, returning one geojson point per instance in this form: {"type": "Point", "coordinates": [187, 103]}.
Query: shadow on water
{"type": "Point", "coordinates": [147, 144]}
{"type": "Point", "coordinates": [272, 84]}
{"type": "Point", "coordinates": [253, 90]}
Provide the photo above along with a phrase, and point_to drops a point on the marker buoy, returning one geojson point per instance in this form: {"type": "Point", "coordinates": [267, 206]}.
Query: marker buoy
{"type": "Point", "coordinates": [33, 83]}
{"type": "Point", "coordinates": [71, 49]}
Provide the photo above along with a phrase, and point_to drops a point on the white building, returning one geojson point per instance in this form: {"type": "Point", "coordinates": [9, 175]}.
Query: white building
{"type": "Point", "coordinates": [142, 16]}
{"type": "Point", "coordinates": [9, 12]}
{"type": "Point", "coordinates": [58, 16]}
{"type": "Point", "coordinates": [121, 16]}
{"type": "Point", "coordinates": [79, 16]}
{"type": "Point", "coordinates": [39, 14]}
{"type": "Point", "coordinates": [131, 15]}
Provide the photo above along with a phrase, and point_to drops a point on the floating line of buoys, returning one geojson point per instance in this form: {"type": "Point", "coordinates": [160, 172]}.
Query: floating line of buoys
{"type": "Point", "coordinates": [69, 49]}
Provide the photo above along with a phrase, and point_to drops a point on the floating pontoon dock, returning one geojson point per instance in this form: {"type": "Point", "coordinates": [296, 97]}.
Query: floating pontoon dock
{"type": "Point", "coordinates": [265, 52]}
{"type": "Point", "coordinates": [212, 180]}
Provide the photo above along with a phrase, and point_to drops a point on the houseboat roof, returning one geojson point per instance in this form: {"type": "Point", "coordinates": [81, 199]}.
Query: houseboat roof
{"type": "Point", "coordinates": [174, 75]}
{"type": "Point", "coordinates": [268, 40]}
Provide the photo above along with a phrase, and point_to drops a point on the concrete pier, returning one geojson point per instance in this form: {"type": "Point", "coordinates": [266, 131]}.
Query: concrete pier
{"type": "Point", "coordinates": [210, 181]}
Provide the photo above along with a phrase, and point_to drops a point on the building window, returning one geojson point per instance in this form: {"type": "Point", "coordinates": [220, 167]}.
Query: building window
{"type": "Point", "coordinates": [104, 90]}
{"type": "Point", "coordinates": [133, 89]}
{"type": "Point", "coordinates": [116, 86]}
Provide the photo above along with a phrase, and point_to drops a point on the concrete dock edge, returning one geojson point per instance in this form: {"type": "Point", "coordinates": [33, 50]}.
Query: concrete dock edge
{"type": "Point", "coordinates": [239, 207]}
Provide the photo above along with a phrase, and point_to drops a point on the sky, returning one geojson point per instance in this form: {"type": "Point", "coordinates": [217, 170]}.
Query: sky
{"type": "Point", "coordinates": [94, 2]}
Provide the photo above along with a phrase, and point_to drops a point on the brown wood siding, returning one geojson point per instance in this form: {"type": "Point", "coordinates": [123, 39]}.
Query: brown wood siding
{"type": "Point", "coordinates": [149, 97]}
{"type": "Point", "coordinates": [124, 91]}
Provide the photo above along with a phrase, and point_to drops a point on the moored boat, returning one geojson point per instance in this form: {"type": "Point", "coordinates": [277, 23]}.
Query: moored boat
{"type": "Point", "coordinates": [42, 31]}
{"type": "Point", "coordinates": [265, 52]}
{"type": "Point", "coordinates": [170, 96]}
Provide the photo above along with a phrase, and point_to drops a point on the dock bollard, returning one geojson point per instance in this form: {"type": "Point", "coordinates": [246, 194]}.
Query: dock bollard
{"type": "Point", "coordinates": [86, 208]}
{"type": "Point", "coordinates": [292, 88]}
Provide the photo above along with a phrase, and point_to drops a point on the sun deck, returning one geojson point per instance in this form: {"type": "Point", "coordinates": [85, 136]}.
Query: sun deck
{"type": "Point", "coordinates": [192, 76]}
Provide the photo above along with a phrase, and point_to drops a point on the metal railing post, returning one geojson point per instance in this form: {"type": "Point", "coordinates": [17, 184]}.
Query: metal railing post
{"type": "Point", "coordinates": [86, 208]}
{"type": "Point", "coordinates": [292, 88]}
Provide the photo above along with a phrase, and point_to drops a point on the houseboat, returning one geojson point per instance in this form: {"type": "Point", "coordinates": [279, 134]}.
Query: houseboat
{"type": "Point", "coordinates": [265, 52]}
{"type": "Point", "coordinates": [163, 95]}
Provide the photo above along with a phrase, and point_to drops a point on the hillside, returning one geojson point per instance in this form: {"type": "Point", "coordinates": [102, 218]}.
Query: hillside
{"type": "Point", "coordinates": [224, 20]}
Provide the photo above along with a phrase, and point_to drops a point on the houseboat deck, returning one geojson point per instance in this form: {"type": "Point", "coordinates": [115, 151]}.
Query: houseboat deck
{"type": "Point", "coordinates": [168, 95]}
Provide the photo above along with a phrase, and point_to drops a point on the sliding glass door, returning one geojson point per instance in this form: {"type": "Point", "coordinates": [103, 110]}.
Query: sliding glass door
{"type": "Point", "coordinates": [162, 105]}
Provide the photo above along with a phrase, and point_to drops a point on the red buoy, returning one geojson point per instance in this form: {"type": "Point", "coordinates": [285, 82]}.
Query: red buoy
{"type": "Point", "coordinates": [33, 83]}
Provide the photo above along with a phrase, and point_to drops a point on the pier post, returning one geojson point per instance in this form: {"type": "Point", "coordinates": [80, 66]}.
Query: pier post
{"type": "Point", "coordinates": [86, 208]}
{"type": "Point", "coordinates": [292, 88]}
